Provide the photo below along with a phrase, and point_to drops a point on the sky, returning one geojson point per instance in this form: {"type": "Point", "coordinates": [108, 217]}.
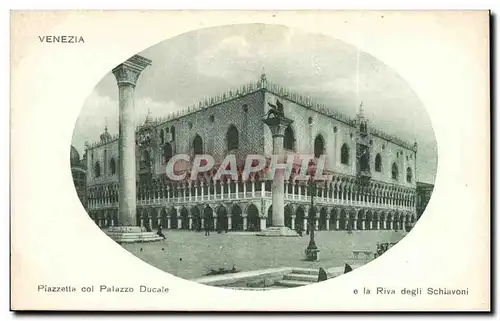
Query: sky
{"type": "Point", "coordinates": [207, 62]}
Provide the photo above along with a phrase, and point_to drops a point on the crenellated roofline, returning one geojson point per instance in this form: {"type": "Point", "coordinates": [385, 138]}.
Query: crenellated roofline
{"type": "Point", "coordinates": [260, 85]}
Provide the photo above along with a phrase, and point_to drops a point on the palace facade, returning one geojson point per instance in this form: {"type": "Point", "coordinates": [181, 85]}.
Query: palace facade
{"type": "Point", "coordinates": [79, 173]}
{"type": "Point", "coordinates": [372, 182]}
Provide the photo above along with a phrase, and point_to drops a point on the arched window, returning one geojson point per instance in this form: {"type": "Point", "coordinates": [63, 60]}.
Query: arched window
{"type": "Point", "coordinates": [172, 132]}
{"type": "Point", "coordinates": [409, 175]}
{"type": "Point", "coordinates": [395, 172]}
{"type": "Point", "coordinates": [162, 136]}
{"type": "Point", "coordinates": [232, 138]}
{"type": "Point", "coordinates": [319, 146]}
{"type": "Point", "coordinates": [289, 139]}
{"type": "Point", "coordinates": [167, 152]}
{"type": "Point", "coordinates": [344, 154]}
{"type": "Point", "coordinates": [378, 163]}
{"type": "Point", "coordinates": [197, 145]}
{"type": "Point", "coordinates": [97, 169]}
{"type": "Point", "coordinates": [112, 166]}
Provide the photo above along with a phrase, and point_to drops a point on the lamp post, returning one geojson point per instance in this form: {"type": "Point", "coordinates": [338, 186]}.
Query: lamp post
{"type": "Point", "coordinates": [312, 251]}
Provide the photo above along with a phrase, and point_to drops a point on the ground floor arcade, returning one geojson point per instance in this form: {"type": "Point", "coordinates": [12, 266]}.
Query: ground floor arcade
{"type": "Point", "coordinates": [257, 215]}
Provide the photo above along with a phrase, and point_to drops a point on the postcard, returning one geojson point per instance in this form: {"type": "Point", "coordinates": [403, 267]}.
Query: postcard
{"type": "Point", "coordinates": [250, 161]}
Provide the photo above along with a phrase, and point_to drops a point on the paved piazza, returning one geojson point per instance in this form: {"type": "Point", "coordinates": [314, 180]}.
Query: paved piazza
{"type": "Point", "coordinates": [191, 255]}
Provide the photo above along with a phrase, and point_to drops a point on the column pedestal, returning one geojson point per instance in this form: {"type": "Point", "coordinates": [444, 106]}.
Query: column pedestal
{"type": "Point", "coordinates": [131, 234]}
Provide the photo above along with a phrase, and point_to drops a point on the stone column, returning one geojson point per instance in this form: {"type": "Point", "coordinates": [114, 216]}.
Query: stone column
{"type": "Point", "coordinates": [327, 222]}
{"type": "Point", "coordinates": [229, 222]}
{"type": "Point", "coordinates": [179, 223]}
{"type": "Point", "coordinates": [190, 226]}
{"type": "Point", "coordinates": [277, 125]}
{"type": "Point", "coordinates": [126, 75]}
{"type": "Point", "coordinates": [305, 224]}
{"type": "Point", "coordinates": [168, 221]}
{"type": "Point", "coordinates": [293, 222]}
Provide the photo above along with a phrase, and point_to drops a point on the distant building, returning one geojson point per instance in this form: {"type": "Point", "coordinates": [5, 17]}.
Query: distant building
{"type": "Point", "coordinates": [79, 173]}
{"type": "Point", "coordinates": [424, 192]}
{"type": "Point", "coordinates": [373, 182]}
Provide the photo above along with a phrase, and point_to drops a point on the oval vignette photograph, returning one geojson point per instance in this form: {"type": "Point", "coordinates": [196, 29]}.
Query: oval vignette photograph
{"type": "Point", "coordinates": [254, 156]}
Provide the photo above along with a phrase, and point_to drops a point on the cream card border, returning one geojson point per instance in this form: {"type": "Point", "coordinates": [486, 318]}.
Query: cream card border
{"type": "Point", "coordinates": [444, 57]}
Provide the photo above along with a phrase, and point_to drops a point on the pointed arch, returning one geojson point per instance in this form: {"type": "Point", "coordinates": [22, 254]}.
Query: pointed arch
{"type": "Point", "coordinates": [344, 154]}
{"type": "Point", "coordinates": [184, 218]}
{"type": "Point", "coordinates": [232, 138]}
{"type": "Point", "coordinates": [196, 217]}
{"type": "Point", "coordinates": [299, 219]}
{"type": "Point", "coordinates": [394, 171]}
{"type": "Point", "coordinates": [289, 139]}
{"type": "Point", "coordinates": [253, 219]}
{"type": "Point", "coordinates": [208, 217]}
{"type": "Point", "coordinates": [197, 145]}
{"type": "Point", "coordinates": [319, 146]}
{"type": "Point", "coordinates": [236, 218]}
{"type": "Point", "coordinates": [221, 218]}
{"type": "Point", "coordinates": [97, 169]}
{"type": "Point", "coordinates": [378, 163]}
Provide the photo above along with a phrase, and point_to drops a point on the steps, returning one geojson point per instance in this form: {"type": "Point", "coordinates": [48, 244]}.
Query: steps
{"type": "Point", "coordinates": [291, 283]}
{"type": "Point", "coordinates": [299, 277]}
